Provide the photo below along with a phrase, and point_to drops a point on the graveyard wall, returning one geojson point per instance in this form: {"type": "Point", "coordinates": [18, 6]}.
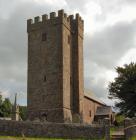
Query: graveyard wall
{"type": "Point", "coordinates": [130, 128]}
{"type": "Point", "coordinates": [51, 130]}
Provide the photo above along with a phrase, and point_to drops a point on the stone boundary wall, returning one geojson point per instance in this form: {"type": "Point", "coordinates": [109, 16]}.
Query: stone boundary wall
{"type": "Point", "coordinates": [130, 128]}
{"type": "Point", "coordinates": [54, 130]}
{"type": "Point", "coordinates": [130, 132]}
{"type": "Point", "coordinates": [129, 122]}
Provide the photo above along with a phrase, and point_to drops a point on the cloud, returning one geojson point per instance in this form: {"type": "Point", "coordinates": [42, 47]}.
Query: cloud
{"type": "Point", "coordinates": [128, 57]}
{"type": "Point", "coordinates": [130, 1]}
{"type": "Point", "coordinates": [21, 96]}
{"type": "Point", "coordinates": [107, 46]}
{"type": "Point", "coordinates": [77, 4]}
{"type": "Point", "coordinates": [109, 37]}
{"type": "Point", "coordinates": [103, 51]}
{"type": "Point", "coordinates": [5, 94]}
{"type": "Point", "coordinates": [13, 42]}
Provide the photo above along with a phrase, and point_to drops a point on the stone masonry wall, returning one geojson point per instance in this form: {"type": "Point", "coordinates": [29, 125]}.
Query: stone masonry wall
{"type": "Point", "coordinates": [49, 68]}
{"type": "Point", "coordinates": [54, 130]}
{"type": "Point", "coordinates": [77, 30]}
{"type": "Point", "coordinates": [89, 111]}
{"type": "Point", "coordinates": [130, 128]}
{"type": "Point", "coordinates": [130, 132]}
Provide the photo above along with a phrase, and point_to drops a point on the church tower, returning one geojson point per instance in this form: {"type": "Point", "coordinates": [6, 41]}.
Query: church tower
{"type": "Point", "coordinates": [55, 67]}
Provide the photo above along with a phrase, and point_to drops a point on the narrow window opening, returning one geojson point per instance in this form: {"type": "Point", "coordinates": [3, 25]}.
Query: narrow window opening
{"type": "Point", "coordinates": [44, 37]}
{"type": "Point", "coordinates": [69, 39]}
{"type": "Point", "coordinates": [44, 79]}
{"type": "Point", "coordinates": [90, 113]}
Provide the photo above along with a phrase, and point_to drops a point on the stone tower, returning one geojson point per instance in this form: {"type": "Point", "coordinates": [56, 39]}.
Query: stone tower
{"type": "Point", "coordinates": [55, 67]}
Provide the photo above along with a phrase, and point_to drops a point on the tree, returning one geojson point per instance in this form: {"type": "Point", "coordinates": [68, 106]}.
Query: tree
{"type": "Point", "coordinates": [23, 112]}
{"type": "Point", "coordinates": [6, 108]}
{"type": "Point", "coordinates": [124, 89]}
{"type": "Point", "coordinates": [1, 113]}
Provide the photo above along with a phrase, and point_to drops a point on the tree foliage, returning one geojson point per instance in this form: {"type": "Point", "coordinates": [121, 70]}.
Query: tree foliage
{"type": "Point", "coordinates": [5, 107]}
{"type": "Point", "coordinates": [124, 89]}
{"type": "Point", "coordinates": [1, 113]}
{"type": "Point", "coordinates": [23, 112]}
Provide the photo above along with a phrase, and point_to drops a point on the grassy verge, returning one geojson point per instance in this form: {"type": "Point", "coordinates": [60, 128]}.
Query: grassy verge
{"type": "Point", "coordinates": [133, 138]}
{"type": "Point", "coordinates": [26, 138]}
{"type": "Point", "coordinates": [112, 129]}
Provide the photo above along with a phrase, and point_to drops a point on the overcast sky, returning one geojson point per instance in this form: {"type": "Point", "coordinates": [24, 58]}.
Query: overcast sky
{"type": "Point", "coordinates": [110, 40]}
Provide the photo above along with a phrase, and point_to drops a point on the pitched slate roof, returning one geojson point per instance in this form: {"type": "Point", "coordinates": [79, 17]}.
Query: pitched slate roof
{"type": "Point", "coordinates": [103, 110]}
{"type": "Point", "coordinates": [91, 96]}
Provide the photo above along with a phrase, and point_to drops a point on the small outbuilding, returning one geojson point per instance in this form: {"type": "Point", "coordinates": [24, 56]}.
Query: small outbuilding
{"type": "Point", "coordinates": [95, 110]}
{"type": "Point", "coordinates": [104, 112]}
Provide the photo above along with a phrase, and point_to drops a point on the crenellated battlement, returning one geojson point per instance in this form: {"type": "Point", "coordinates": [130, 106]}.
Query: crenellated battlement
{"type": "Point", "coordinates": [54, 18]}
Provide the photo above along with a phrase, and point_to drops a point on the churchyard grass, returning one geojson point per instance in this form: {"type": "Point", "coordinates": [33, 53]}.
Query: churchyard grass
{"type": "Point", "coordinates": [112, 129]}
{"type": "Point", "coordinates": [26, 138]}
{"type": "Point", "coordinates": [133, 138]}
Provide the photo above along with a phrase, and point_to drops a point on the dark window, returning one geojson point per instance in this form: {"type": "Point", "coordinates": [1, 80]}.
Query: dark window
{"type": "Point", "coordinates": [44, 79]}
{"type": "Point", "coordinates": [44, 116]}
{"type": "Point", "coordinates": [44, 37]}
{"type": "Point", "coordinates": [90, 113]}
{"type": "Point", "coordinates": [69, 39]}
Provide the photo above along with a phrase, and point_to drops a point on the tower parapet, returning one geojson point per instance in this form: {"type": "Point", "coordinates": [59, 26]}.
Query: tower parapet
{"type": "Point", "coordinates": [54, 18]}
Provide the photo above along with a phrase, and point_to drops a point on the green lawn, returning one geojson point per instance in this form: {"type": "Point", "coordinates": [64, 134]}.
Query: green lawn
{"type": "Point", "coordinates": [112, 129]}
{"type": "Point", "coordinates": [21, 138]}
{"type": "Point", "coordinates": [133, 138]}
{"type": "Point", "coordinates": [26, 138]}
